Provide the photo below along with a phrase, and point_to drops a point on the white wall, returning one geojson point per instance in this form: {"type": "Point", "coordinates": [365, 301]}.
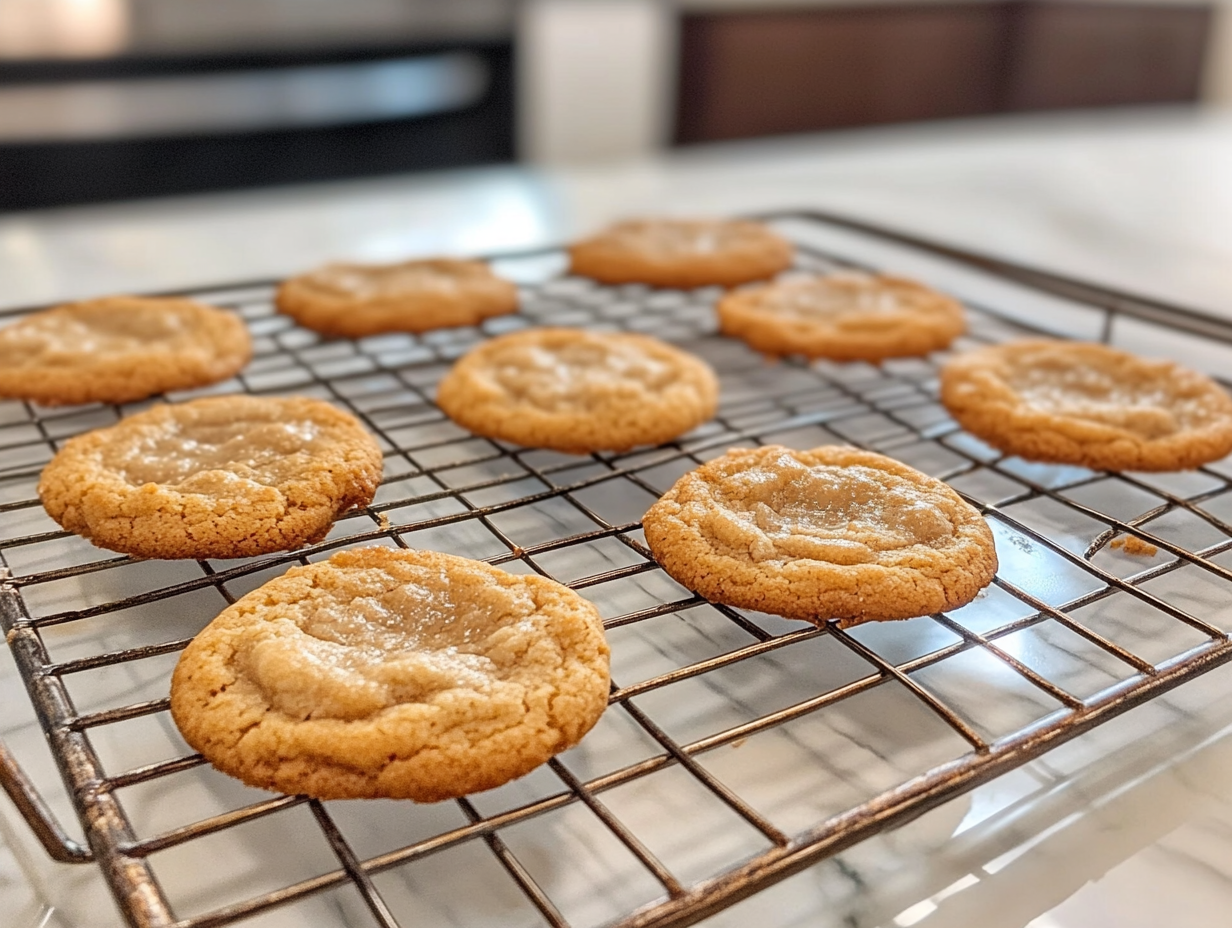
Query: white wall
{"type": "Point", "coordinates": [1218, 82]}
{"type": "Point", "coordinates": [595, 79]}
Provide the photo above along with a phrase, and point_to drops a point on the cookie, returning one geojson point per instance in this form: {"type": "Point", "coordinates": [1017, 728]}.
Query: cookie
{"type": "Point", "coordinates": [392, 673]}
{"type": "Point", "coordinates": [1087, 404]}
{"type": "Point", "coordinates": [827, 533]}
{"type": "Point", "coordinates": [227, 476]}
{"type": "Point", "coordinates": [681, 253]}
{"type": "Point", "coordinates": [846, 316]}
{"type": "Point", "coordinates": [119, 349]}
{"type": "Point", "coordinates": [355, 300]}
{"type": "Point", "coordinates": [578, 391]}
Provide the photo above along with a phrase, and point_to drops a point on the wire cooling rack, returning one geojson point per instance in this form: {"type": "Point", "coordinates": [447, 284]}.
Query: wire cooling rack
{"type": "Point", "coordinates": [739, 748]}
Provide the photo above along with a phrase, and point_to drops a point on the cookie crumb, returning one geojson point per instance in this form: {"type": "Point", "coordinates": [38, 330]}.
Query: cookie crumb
{"type": "Point", "coordinates": [1132, 544]}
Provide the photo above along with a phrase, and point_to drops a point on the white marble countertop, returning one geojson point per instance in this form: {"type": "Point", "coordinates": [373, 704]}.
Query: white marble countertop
{"type": "Point", "coordinates": [1140, 199]}
{"type": "Point", "coordinates": [1128, 827]}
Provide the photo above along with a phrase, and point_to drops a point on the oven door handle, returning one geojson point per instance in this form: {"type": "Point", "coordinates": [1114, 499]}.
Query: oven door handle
{"type": "Point", "coordinates": [55, 840]}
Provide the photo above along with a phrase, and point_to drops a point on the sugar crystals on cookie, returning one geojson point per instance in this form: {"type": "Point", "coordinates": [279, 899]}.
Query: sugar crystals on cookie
{"type": "Point", "coordinates": [681, 253]}
{"type": "Point", "coordinates": [829, 533]}
{"type": "Point", "coordinates": [393, 673]}
{"type": "Point", "coordinates": [119, 349]}
{"type": "Point", "coordinates": [356, 300]}
{"type": "Point", "coordinates": [845, 316]}
{"type": "Point", "coordinates": [227, 476]}
{"type": "Point", "coordinates": [1088, 404]}
{"type": "Point", "coordinates": [578, 391]}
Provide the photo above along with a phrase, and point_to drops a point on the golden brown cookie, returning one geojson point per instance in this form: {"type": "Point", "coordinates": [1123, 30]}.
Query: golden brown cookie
{"type": "Point", "coordinates": [227, 476]}
{"type": "Point", "coordinates": [578, 391]}
{"type": "Point", "coordinates": [847, 316]}
{"type": "Point", "coordinates": [119, 349]}
{"type": "Point", "coordinates": [393, 673]}
{"type": "Point", "coordinates": [814, 535]}
{"type": "Point", "coordinates": [681, 253]}
{"type": "Point", "coordinates": [354, 300]}
{"type": "Point", "coordinates": [1087, 404]}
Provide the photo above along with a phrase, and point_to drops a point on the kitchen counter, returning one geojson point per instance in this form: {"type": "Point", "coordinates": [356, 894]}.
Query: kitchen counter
{"type": "Point", "coordinates": [1140, 200]}
{"type": "Point", "coordinates": [1129, 826]}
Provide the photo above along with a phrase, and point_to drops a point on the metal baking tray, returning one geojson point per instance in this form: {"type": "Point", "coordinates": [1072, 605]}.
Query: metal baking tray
{"type": "Point", "coordinates": [738, 748]}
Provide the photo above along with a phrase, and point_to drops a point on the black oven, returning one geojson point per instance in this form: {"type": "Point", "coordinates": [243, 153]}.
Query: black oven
{"type": "Point", "coordinates": [156, 120]}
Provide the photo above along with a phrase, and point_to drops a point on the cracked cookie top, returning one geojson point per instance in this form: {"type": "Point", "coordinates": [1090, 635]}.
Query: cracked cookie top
{"type": "Point", "coordinates": [119, 349]}
{"type": "Point", "coordinates": [395, 673]}
{"type": "Point", "coordinates": [829, 533]}
{"type": "Point", "coordinates": [845, 316]}
{"type": "Point", "coordinates": [227, 476]}
{"type": "Point", "coordinates": [682, 253]}
{"type": "Point", "coordinates": [573, 390]}
{"type": "Point", "coordinates": [1088, 404]}
{"type": "Point", "coordinates": [355, 300]}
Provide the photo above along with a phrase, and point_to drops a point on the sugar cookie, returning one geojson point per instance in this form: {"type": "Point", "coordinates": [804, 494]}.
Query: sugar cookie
{"type": "Point", "coordinates": [1088, 404]}
{"type": "Point", "coordinates": [119, 349]}
{"type": "Point", "coordinates": [827, 533]}
{"type": "Point", "coordinates": [226, 476]}
{"type": "Point", "coordinates": [846, 316]}
{"type": "Point", "coordinates": [392, 673]}
{"type": "Point", "coordinates": [578, 391]}
{"type": "Point", "coordinates": [355, 300]}
{"type": "Point", "coordinates": [681, 253]}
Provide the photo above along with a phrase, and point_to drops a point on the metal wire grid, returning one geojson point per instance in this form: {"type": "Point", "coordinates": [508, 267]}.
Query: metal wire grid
{"type": "Point", "coordinates": [576, 519]}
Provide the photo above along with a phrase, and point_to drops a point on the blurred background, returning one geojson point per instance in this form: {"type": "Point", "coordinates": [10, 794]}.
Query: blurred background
{"type": "Point", "coordinates": [115, 99]}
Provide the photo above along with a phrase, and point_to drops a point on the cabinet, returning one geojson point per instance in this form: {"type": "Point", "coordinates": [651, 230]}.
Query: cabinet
{"type": "Point", "coordinates": [747, 74]}
{"type": "Point", "coordinates": [1104, 54]}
